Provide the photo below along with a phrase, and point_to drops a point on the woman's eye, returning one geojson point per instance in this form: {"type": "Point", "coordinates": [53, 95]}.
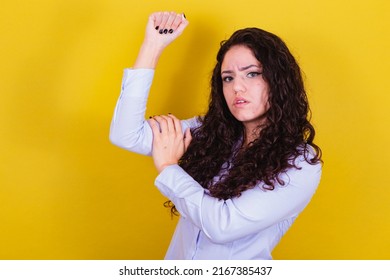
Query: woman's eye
{"type": "Point", "coordinates": [227, 79]}
{"type": "Point", "coordinates": [253, 74]}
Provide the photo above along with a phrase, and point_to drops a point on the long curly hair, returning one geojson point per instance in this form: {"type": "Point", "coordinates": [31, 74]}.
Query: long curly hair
{"type": "Point", "coordinates": [213, 158]}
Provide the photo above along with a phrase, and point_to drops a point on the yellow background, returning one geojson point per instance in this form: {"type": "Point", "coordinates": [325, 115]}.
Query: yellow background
{"type": "Point", "coordinates": [67, 193]}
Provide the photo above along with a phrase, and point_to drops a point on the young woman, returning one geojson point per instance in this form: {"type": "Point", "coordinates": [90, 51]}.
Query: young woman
{"type": "Point", "coordinates": [241, 174]}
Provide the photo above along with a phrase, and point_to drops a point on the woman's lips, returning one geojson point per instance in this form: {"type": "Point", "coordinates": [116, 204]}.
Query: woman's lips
{"type": "Point", "coordinates": [239, 102]}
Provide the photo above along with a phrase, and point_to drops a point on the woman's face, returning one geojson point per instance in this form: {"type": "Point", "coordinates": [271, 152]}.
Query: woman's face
{"type": "Point", "coordinates": [244, 89]}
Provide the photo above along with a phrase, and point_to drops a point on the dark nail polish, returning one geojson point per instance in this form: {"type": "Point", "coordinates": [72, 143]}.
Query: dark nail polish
{"type": "Point", "coordinates": [184, 15]}
{"type": "Point", "coordinates": [165, 31]}
{"type": "Point", "coordinates": [161, 31]}
{"type": "Point", "coordinates": [170, 31]}
{"type": "Point", "coordinates": [157, 27]}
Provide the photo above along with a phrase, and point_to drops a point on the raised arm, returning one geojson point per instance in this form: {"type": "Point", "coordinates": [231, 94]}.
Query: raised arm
{"type": "Point", "coordinates": [129, 130]}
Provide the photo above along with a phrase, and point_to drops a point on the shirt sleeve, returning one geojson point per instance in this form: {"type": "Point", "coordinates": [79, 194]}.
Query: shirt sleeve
{"type": "Point", "coordinates": [225, 221]}
{"type": "Point", "coordinates": [129, 129]}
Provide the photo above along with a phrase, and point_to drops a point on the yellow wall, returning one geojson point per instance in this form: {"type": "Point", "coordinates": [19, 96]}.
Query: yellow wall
{"type": "Point", "coordinates": [67, 193]}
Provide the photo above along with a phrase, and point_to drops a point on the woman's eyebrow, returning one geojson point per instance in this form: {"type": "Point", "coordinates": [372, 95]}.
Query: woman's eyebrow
{"type": "Point", "coordinates": [241, 69]}
{"type": "Point", "coordinates": [247, 67]}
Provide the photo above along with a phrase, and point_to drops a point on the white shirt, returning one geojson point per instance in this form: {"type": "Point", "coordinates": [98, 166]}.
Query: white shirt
{"type": "Point", "coordinates": [246, 227]}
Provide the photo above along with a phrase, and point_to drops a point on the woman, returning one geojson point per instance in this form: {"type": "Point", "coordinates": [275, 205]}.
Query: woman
{"type": "Point", "coordinates": [240, 175]}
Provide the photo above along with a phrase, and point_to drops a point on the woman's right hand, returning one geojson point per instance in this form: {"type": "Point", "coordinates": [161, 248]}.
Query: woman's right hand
{"type": "Point", "coordinates": [161, 30]}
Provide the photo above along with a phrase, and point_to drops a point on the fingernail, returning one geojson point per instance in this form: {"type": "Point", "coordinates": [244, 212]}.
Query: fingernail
{"type": "Point", "coordinates": [170, 31]}
{"type": "Point", "coordinates": [184, 15]}
{"type": "Point", "coordinates": [157, 27]}
{"type": "Point", "coordinates": [150, 117]}
{"type": "Point", "coordinates": [169, 113]}
{"type": "Point", "coordinates": [161, 31]}
{"type": "Point", "coordinates": [165, 31]}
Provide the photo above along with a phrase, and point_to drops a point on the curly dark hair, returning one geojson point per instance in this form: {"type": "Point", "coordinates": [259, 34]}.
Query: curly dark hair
{"type": "Point", "coordinates": [286, 134]}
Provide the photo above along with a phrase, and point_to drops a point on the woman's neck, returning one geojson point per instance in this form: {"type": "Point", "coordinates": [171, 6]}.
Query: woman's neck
{"type": "Point", "coordinates": [252, 131]}
{"type": "Point", "coordinates": [250, 136]}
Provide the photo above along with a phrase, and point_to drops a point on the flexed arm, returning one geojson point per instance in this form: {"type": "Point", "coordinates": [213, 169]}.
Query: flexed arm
{"type": "Point", "coordinates": [129, 130]}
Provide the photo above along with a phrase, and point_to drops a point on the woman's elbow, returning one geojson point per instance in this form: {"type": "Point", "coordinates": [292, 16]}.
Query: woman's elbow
{"type": "Point", "coordinates": [130, 144]}
{"type": "Point", "coordinates": [117, 140]}
{"type": "Point", "coordinates": [114, 139]}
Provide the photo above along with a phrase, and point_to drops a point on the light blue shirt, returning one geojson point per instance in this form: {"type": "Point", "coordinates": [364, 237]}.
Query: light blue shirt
{"type": "Point", "coordinates": [245, 227]}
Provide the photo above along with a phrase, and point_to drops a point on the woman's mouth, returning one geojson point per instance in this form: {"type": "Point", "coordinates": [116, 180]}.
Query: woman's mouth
{"type": "Point", "coordinates": [240, 102]}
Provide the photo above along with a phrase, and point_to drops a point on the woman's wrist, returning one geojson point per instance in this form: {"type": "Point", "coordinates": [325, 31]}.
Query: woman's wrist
{"type": "Point", "coordinates": [148, 56]}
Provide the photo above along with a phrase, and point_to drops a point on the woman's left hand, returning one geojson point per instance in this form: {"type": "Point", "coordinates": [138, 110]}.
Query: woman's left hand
{"type": "Point", "coordinates": [169, 141]}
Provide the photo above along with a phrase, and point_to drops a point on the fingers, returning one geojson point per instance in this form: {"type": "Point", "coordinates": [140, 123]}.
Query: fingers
{"type": "Point", "coordinates": [187, 138]}
{"type": "Point", "coordinates": [156, 18]}
{"type": "Point", "coordinates": [177, 21]}
{"type": "Point", "coordinates": [169, 143]}
{"type": "Point", "coordinates": [154, 124]}
{"type": "Point", "coordinates": [169, 22]}
{"type": "Point", "coordinates": [176, 123]}
{"type": "Point", "coordinates": [162, 29]}
{"type": "Point", "coordinates": [164, 20]}
{"type": "Point", "coordinates": [182, 24]}
{"type": "Point", "coordinates": [167, 124]}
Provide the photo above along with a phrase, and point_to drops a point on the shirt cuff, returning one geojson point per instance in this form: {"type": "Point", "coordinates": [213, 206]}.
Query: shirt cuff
{"type": "Point", "coordinates": [137, 79]}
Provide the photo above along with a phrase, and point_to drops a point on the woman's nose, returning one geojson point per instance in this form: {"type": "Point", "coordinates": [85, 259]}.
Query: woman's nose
{"type": "Point", "coordinates": [239, 85]}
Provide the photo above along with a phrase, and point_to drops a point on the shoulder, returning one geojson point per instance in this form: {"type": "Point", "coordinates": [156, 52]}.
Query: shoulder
{"type": "Point", "coordinates": [303, 174]}
{"type": "Point", "coordinates": [192, 123]}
